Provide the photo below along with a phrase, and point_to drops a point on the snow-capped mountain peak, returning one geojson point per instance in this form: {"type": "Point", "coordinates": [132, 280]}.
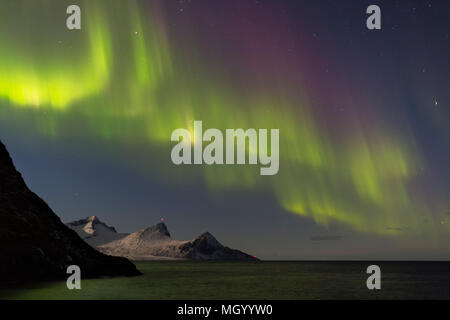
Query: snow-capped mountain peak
{"type": "Point", "coordinates": [155, 243]}
{"type": "Point", "coordinates": [94, 231]}
{"type": "Point", "coordinates": [156, 232]}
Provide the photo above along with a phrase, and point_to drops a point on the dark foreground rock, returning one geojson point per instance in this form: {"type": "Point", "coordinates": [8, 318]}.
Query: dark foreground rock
{"type": "Point", "coordinates": [35, 244]}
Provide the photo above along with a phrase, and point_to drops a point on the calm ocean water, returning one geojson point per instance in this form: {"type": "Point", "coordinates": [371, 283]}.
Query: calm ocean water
{"type": "Point", "coordinates": [265, 280]}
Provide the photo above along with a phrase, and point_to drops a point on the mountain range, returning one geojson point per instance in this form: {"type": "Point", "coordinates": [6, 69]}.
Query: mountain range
{"type": "Point", "coordinates": [153, 243]}
{"type": "Point", "coordinates": [35, 245]}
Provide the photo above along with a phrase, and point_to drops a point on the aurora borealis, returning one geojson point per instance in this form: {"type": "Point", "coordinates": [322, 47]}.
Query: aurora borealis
{"type": "Point", "coordinates": [364, 139]}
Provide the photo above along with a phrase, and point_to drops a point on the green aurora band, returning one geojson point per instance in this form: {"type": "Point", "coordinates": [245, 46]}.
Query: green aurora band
{"type": "Point", "coordinates": [123, 77]}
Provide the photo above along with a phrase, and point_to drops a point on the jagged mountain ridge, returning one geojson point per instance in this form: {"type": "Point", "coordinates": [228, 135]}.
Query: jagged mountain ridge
{"type": "Point", "coordinates": [94, 231]}
{"type": "Point", "coordinates": [155, 243]}
{"type": "Point", "coordinates": [35, 244]}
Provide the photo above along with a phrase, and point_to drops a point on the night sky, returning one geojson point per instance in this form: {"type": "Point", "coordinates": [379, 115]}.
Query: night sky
{"type": "Point", "coordinates": [363, 116]}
